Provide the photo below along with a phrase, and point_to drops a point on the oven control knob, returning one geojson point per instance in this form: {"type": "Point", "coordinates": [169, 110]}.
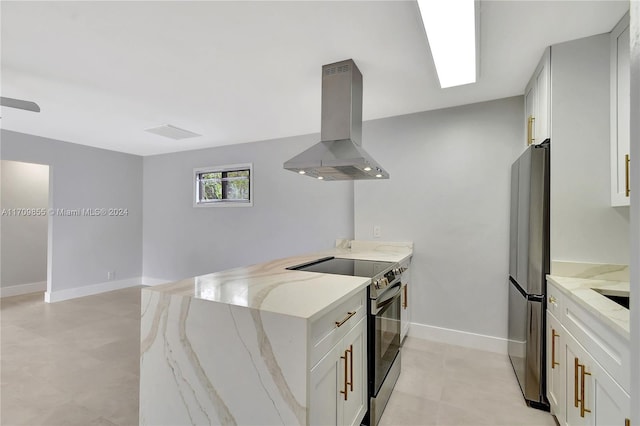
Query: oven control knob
{"type": "Point", "coordinates": [376, 284]}
{"type": "Point", "coordinates": [384, 282]}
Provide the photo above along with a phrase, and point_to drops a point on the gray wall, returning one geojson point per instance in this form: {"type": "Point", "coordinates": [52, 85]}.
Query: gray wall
{"type": "Point", "coordinates": [291, 214]}
{"type": "Point", "coordinates": [23, 240]}
{"type": "Point", "coordinates": [449, 193]}
{"type": "Point", "coordinates": [584, 226]}
{"type": "Point", "coordinates": [84, 249]}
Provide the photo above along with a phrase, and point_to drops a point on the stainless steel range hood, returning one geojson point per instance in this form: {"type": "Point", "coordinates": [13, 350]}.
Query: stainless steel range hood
{"type": "Point", "coordinates": [339, 154]}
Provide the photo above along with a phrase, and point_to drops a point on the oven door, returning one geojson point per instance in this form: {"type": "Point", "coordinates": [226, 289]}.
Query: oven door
{"type": "Point", "coordinates": [385, 312]}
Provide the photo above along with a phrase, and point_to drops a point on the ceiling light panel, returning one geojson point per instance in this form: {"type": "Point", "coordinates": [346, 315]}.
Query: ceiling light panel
{"type": "Point", "coordinates": [451, 29]}
{"type": "Point", "coordinates": [172, 132]}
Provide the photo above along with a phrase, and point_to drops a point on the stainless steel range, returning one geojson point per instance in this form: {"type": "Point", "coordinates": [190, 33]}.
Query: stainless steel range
{"type": "Point", "coordinates": [383, 325]}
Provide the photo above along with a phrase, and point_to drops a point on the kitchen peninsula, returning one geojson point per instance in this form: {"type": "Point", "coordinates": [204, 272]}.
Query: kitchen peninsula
{"type": "Point", "coordinates": [241, 346]}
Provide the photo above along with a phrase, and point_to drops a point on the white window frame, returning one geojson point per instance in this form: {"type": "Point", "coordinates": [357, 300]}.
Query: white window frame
{"type": "Point", "coordinates": [217, 169]}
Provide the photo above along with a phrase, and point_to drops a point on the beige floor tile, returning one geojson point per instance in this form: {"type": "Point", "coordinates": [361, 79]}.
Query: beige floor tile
{"type": "Point", "coordinates": [77, 363]}
{"type": "Point", "coordinates": [405, 409]}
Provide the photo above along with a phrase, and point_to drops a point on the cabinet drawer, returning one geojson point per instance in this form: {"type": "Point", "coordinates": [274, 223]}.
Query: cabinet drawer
{"type": "Point", "coordinates": [555, 300]}
{"type": "Point", "coordinates": [325, 333]}
{"type": "Point", "coordinates": [606, 346]}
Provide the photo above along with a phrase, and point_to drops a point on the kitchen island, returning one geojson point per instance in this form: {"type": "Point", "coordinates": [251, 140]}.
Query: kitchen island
{"type": "Point", "coordinates": [238, 346]}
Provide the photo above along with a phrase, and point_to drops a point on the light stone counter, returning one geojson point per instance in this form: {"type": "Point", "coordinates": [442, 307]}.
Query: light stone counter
{"type": "Point", "coordinates": [270, 287]}
{"type": "Point", "coordinates": [580, 290]}
{"type": "Point", "coordinates": [232, 347]}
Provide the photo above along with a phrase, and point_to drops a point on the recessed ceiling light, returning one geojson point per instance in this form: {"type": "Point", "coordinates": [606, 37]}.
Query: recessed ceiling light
{"type": "Point", "coordinates": [302, 172]}
{"type": "Point", "coordinates": [367, 169]}
{"type": "Point", "coordinates": [172, 132]}
{"type": "Point", "coordinates": [378, 175]}
{"type": "Point", "coordinates": [451, 30]}
{"type": "Point", "coordinates": [320, 177]}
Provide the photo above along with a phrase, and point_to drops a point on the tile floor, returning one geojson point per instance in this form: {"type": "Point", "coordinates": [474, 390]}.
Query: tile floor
{"type": "Point", "coordinates": [76, 363]}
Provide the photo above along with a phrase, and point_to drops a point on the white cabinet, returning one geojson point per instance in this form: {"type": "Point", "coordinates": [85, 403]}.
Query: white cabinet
{"type": "Point", "coordinates": [556, 366]}
{"type": "Point", "coordinates": [355, 374]}
{"type": "Point", "coordinates": [584, 384]}
{"type": "Point", "coordinates": [338, 382]}
{"type": "Point", "coordinates": [620, 113]}
{"type": "Point", "coordinates": [593, 397]}
{"type": "Point", "coordinates": [537, 102]}
{"type": "Point", "coordinates": [405, 312]}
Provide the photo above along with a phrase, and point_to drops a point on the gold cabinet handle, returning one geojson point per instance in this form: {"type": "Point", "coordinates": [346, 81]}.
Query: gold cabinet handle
{"type": "Point", "coordinates": [405, 303]}
{"type": "Point", "coordinates": [552, 300]}
{"type": "Point", "coordinates": [553, 348]}
{"type": "Point", "coordinates": [349, 315]}
{"type": "Point", "coordinates": [576, 400]}
{"type": "Point", "coordinates": [530, 122]}
{"type": "Point", "coordinates": [627, 161]}
{"type": "Point", "coordinates": [627, 422]}
{"type": "Point", "coordinates": [346, 383]}
{"type": "Point", "coordinates": [350, 382]}
{"type": "Point", "coordinates": [583, 410]}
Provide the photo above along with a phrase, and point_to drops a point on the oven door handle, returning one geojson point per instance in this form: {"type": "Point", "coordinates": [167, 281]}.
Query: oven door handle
{"type": "Point", "coordinates": [377, 306]}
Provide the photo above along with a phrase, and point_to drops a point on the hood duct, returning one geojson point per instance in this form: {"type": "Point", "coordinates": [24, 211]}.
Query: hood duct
{"type": "Point", "coordinates": [339, 154]}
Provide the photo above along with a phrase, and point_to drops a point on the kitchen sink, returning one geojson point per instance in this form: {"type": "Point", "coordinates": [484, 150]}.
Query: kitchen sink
{"type": "Point", "coordinates": [619, 296]}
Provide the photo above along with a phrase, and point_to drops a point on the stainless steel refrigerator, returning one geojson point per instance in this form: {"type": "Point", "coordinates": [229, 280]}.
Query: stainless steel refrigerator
{"type": "Point", "coordinates": [528, 267]}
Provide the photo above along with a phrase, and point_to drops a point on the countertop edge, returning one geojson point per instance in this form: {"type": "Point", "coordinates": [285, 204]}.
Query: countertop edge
{"type": "Point", "coordinates": [587, 284]}
{"type": "Point", "coordinates": [252, 276]}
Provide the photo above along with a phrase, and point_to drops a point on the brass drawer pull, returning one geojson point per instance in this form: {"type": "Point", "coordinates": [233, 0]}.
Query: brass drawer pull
{"type": "Point", "coordinates": [349, 315]}
{"type": "Point", "coordinates": [346, 383]}
{"type": "Point", "coordinates": [553, 348]}
{"type": "Point", "coordinates": [405, 303]}
{"type": "Point", "coordinates": [584, 373]}
{"type": "Point", "coordinates": [530, 121]}
{"type": "Point", "coordinates": [627, 161]}
{"type": "Point", "coordinates": [576, 400]}
{"type": "Point", "coordinates": [552, 300]}
{"type": "Point", "coordinates": [350, 382]}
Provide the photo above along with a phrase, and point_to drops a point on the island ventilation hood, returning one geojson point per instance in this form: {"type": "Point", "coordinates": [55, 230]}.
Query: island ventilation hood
{"type": "Point", "coordinates": [339, 154]}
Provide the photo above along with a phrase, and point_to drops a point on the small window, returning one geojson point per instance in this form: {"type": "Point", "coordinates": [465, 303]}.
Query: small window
{"type": "Point", "coordinates": [223, 186]}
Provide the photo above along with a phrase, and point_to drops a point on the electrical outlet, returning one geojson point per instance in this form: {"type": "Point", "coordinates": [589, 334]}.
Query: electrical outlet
{"type": "Point", "coordinates": [377, 231]}
{"type": "Point", "coordinates": [111, 275]}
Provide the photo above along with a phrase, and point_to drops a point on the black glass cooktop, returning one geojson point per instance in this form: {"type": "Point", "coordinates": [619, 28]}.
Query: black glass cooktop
{"type": "Point", "coordinates": [339, 266]}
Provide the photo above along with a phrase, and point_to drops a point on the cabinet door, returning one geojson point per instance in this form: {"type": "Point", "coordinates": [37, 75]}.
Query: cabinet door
{"type": "Point", "coordinates": [556, 368]}
{"type": "Point", "coordinates": [537, 102]}
{"type": "Point", "coordinates": [620, 113]}
{"type": "Point", "coordinates": [529, 111]}
{"type": "Point", "coordinates": [543, 98]}
{"type": "Point", "coordinates": [325, 405]}
{"type": "Point", "coordinates": [593, 397]}
{"type": "Point", "coordinates": [404, 313]}
{"type": "Point", "coordinates": [355, 346]}
{"type": "Point", "coordinates": [576, 358]}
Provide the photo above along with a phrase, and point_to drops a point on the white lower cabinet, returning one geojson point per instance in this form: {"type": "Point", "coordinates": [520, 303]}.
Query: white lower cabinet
{"type": "Point", "coordinates": [405, 307]}
{"type": "Point", "coordinates": [405, 312]}
{"type": "Point", "coordinates": [556, 367]}
{"type": "Point", "coordinates": [580, 390]}
{"type": "Point", "coordinates": [338, 382]}
{"type": "Point", "coordinates": [593, 397]}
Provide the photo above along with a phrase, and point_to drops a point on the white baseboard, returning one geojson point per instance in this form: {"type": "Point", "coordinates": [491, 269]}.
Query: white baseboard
{"type": "Point", "coordinates": [72, 293]}
{"type": "Point", "coordinates": [17, 290]}
{"type": "Point", "coordinates": [149, 281]}
{"type": "Point", "coordinates": [460, 338]}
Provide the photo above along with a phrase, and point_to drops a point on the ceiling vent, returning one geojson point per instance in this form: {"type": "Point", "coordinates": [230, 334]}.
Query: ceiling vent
{"type": "Point", "coordinates": [172, 132]}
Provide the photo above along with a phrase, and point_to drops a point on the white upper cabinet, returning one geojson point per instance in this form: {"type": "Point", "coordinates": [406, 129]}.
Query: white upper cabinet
{"type": "Point", "coordinates": [620, 113]}
{"type": "Point", "coordinates": [537, 102]}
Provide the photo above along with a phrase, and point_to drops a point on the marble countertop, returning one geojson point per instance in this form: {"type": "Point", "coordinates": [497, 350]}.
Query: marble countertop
{"type": "Point", "coordinates": [271, 287]}
{"type": "Point", "coordinates": [581, 291]}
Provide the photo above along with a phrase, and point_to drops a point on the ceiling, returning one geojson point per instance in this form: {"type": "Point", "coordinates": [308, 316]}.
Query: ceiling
{"type": "Point", "coordinates": [241, 71]}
